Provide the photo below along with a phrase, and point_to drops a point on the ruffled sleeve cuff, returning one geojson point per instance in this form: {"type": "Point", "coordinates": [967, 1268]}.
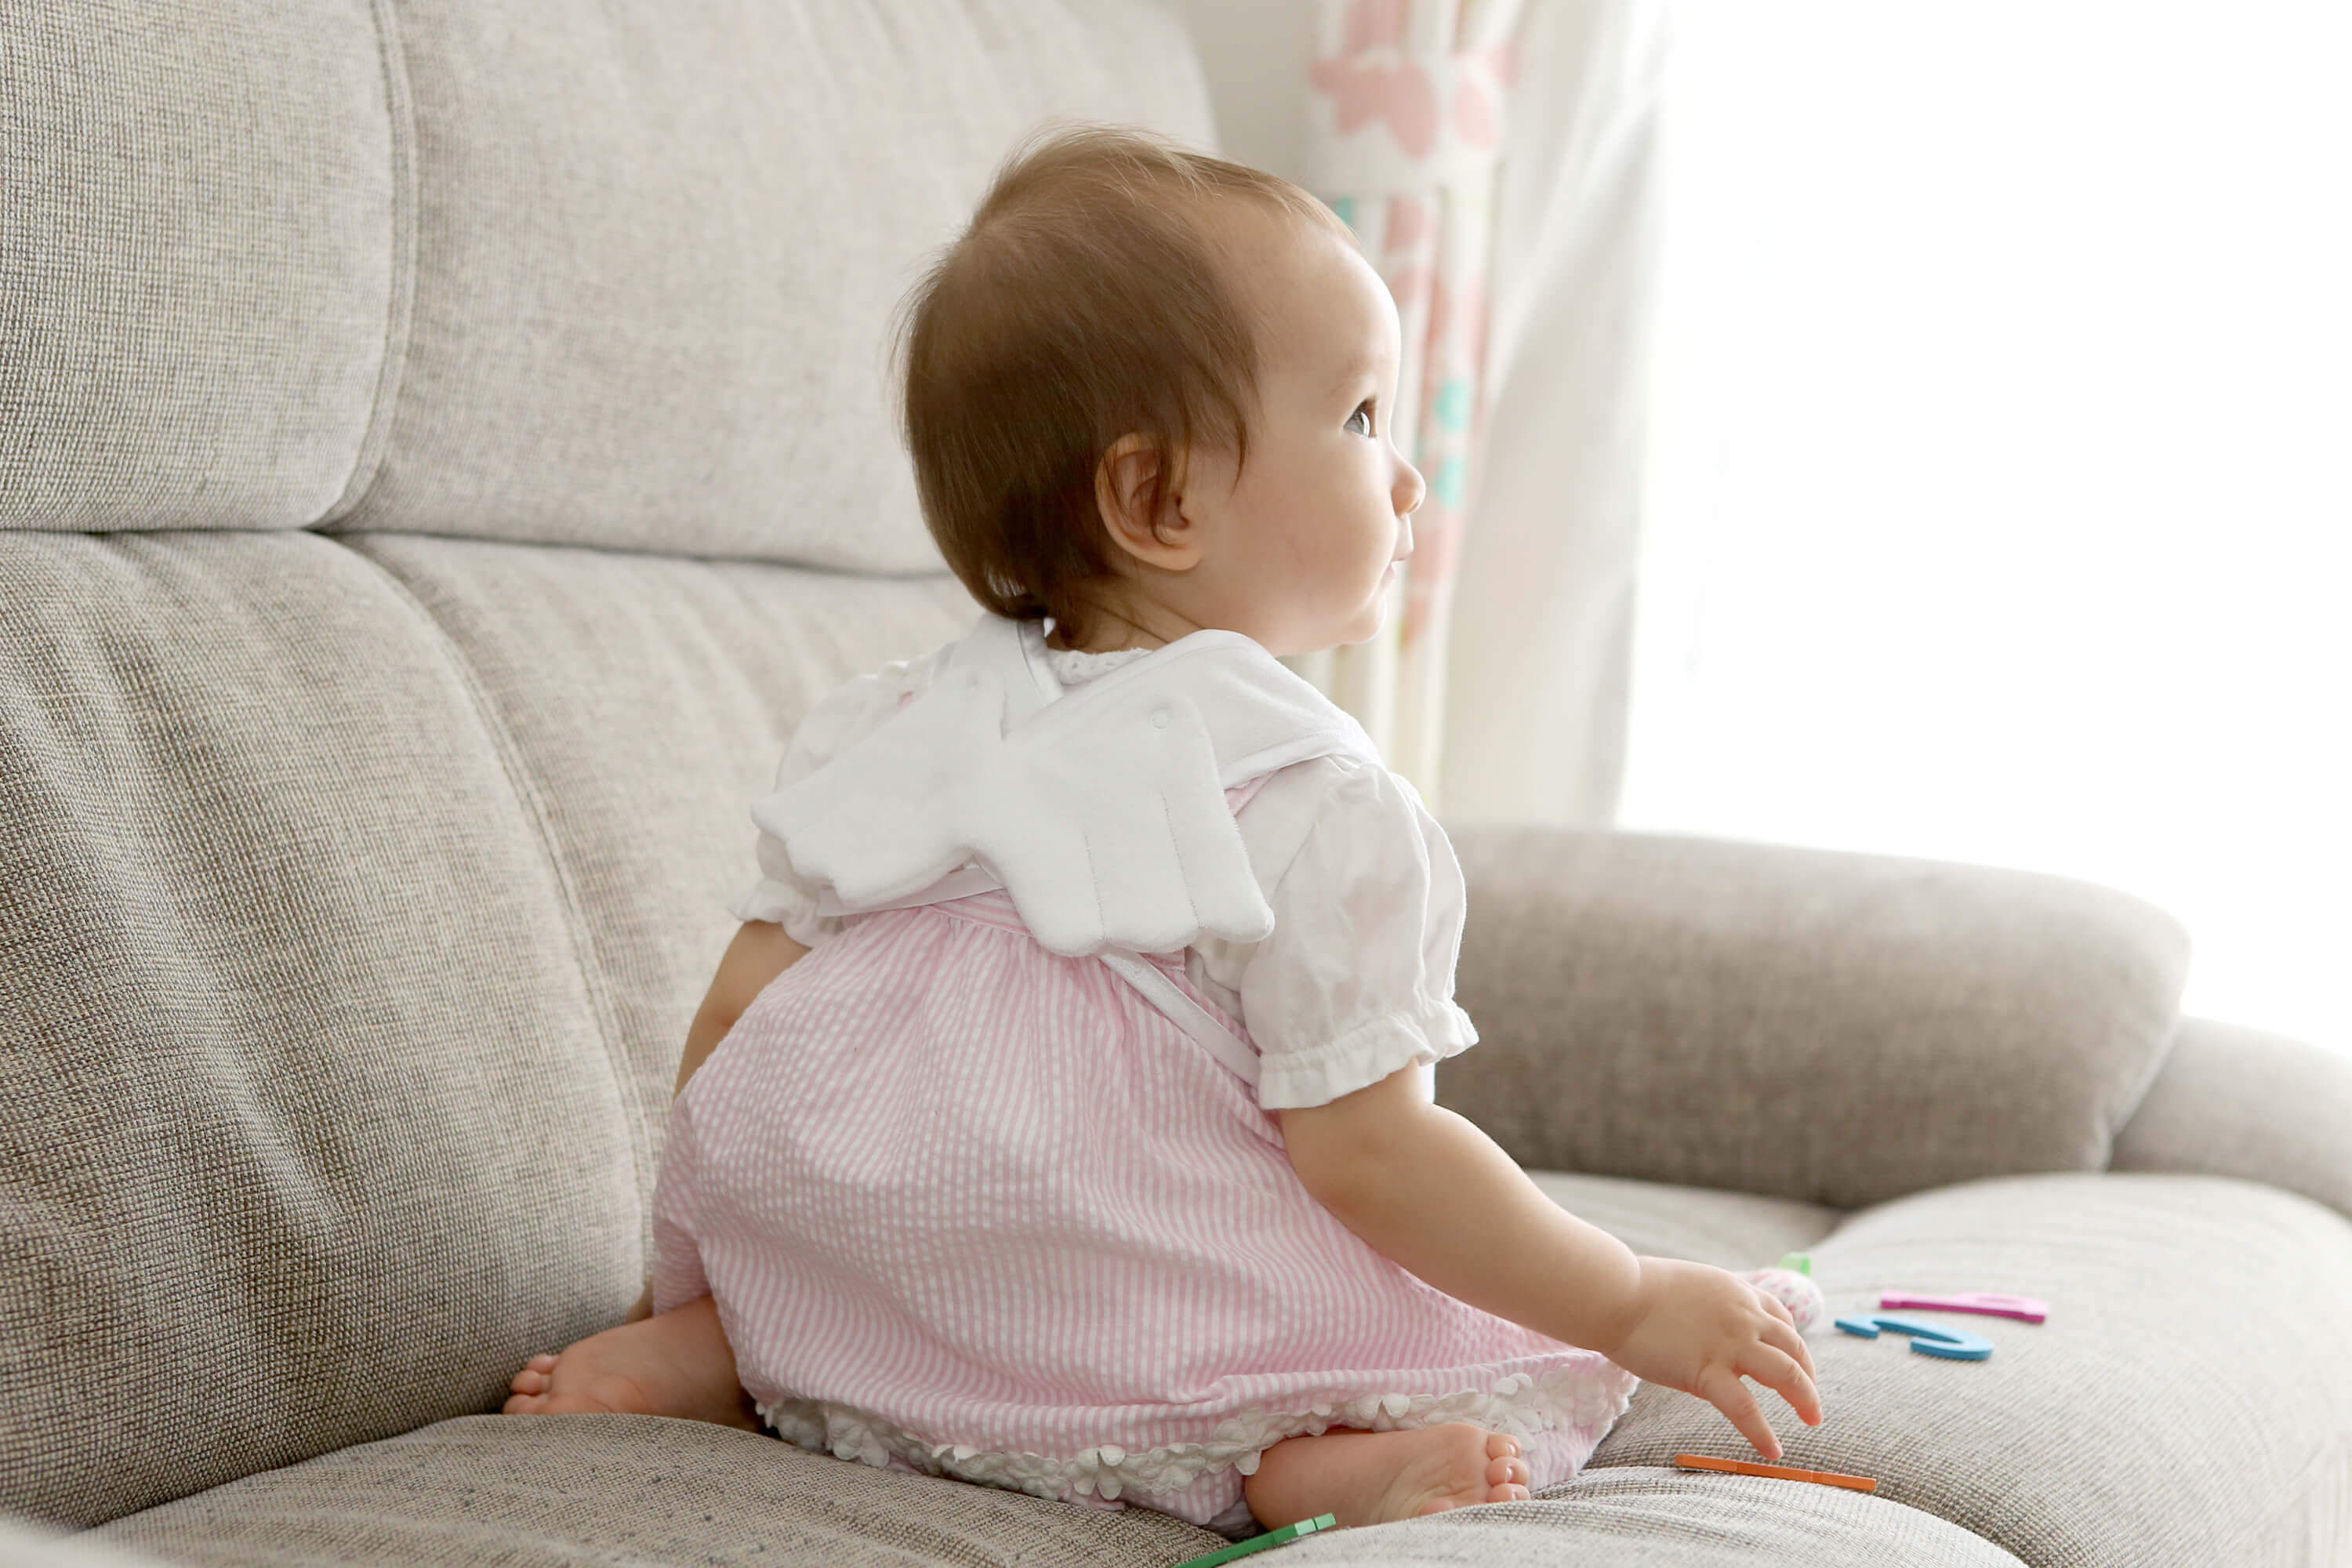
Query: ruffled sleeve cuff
{"type": "Point", "coordinates": [1370, 1052]}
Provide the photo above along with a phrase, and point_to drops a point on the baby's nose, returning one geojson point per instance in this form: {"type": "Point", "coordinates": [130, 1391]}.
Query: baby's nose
{"type": "Point", "coordinates": [1412, 490]}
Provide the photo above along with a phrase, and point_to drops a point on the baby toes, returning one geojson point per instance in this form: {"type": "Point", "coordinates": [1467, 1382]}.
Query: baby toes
{"type": "Point", "coordinates": [1507, 1472]}
{"type": "Point", "coordinates": [533, 1379]}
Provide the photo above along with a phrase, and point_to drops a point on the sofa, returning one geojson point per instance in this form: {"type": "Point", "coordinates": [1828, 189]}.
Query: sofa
{"type": "Point", "coordinates": [445, 445]}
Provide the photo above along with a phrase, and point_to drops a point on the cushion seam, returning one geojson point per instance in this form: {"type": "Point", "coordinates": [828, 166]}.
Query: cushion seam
{"type": "Point", "coordinates": [527, 795]}
{"type": "Point", "coordinates": [367, 462]}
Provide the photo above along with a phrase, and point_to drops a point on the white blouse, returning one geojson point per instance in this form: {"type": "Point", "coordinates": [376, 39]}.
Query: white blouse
{"type": "Point", "coordinates": [1355, 980]}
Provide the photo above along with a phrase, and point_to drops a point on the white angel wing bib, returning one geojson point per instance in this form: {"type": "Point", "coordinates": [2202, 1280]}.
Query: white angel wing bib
{"type": "Point", "coordinates": [1100, 811]}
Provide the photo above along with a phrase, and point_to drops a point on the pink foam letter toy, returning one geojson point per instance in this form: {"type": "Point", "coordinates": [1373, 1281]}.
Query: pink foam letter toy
{"type": "Point", "coordinates": [1990, 1303]}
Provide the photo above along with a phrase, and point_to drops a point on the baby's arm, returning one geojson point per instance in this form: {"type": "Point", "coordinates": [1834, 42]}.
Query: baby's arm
{"type": "Point", "coordinates": [760, 953]}
{"type": "Point", "coordinates": [1436, 1195]}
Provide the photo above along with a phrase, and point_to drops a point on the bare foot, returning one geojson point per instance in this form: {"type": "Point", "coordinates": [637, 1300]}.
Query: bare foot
{"type": "Point", "coordinates": [679, 1363]}
{"type": "Point", "coordinates": [1372, 1477]}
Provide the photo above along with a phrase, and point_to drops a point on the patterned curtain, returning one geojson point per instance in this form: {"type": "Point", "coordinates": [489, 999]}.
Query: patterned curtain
{"type": "Point", "coordinates": [1406, 125]}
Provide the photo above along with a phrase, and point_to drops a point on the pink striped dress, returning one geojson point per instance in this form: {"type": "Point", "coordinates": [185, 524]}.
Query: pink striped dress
{"type": "Point", "coordinates": [971, 1209]}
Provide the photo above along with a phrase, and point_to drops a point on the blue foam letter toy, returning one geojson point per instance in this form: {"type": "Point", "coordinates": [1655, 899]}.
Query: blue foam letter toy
{"type": "Point", "coordinates": [1928, 1339]}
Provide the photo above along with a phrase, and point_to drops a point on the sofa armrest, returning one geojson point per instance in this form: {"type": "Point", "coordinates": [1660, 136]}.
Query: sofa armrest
{"type": "Point", "coordinates": [2234, 1101]}
{"type": "Point", "coordinates": [1837, 1027]}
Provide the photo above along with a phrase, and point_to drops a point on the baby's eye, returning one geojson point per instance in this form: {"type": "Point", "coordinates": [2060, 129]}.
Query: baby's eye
{"type": "Point", "coordinates": [1363, 412]}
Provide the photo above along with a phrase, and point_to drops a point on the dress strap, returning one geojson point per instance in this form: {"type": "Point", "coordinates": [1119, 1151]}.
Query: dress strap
{"type": "Point", "coordinates": [1188, 1015]}
{"type": "Point", "coordinates": [975, 883]}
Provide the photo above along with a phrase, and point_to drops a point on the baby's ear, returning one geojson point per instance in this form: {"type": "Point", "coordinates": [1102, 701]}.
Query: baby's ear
{"type": "Point", "coordinates": [1135, 493]}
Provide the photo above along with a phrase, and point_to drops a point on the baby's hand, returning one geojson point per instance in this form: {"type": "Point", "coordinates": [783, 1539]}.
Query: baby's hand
{"type": "Point", "coordinates": [1699, 1329]}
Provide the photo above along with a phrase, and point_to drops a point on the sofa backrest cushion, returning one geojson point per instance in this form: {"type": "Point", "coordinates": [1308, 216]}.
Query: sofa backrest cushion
{"type": "Point", "coordinates": [200, 212]}
{"type": "Point", "coordinates": [528, 269]}
{"type": "Point", "coordinates": [355, 898]}
{"type": "Point", "coordinates": [358, 885]}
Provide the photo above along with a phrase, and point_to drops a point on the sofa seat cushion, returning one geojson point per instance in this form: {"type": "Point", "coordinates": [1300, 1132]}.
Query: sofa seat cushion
{"type": "Point", "coordinates": [2109, 1434]}
{"type": "Point", "coordinates": [2181, 1403]}
{"type": "Point", "coordinates": [645, 1489]}
{"type": "Point", "coordinates": [1636, 1516]}
{"type": "Point", "coordinates": [544, 1491]}
{"type": "Point", "coordinates": [1737, 1231]}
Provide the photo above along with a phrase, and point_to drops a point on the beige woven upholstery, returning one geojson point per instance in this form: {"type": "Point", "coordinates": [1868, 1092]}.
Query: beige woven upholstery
{"type": "Point", "coordinates": [444, 450]}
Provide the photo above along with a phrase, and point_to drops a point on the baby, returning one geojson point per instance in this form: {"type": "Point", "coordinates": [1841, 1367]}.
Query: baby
{"type": "Point", "coordinates": [1094, 1152]}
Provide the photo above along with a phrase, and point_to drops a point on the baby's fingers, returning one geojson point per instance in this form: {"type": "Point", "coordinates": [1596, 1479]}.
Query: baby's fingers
{"type": "Point", "coordinates": [1787, 1336]}
{"type": "Point", "coordinates": [1793, 1336]}
{"type": "Point", "coordinates": [1722, 1388]}
{"type": "Point", "coordinates": [1778, 1371]}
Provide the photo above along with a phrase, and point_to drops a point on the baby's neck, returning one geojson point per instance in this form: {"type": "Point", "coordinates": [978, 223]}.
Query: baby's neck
{"type": "Point", "coordinates": [1118, 626]}
{"type": "Point", "coordinates": [1134, 640]}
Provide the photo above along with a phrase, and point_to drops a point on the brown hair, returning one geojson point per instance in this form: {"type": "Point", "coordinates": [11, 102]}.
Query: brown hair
{"type": "Point", "coordinates": [1080, 305]}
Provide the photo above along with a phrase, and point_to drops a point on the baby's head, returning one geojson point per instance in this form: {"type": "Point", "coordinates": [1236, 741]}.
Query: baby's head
{"type": "Point", "coordinates": [1148, 392]}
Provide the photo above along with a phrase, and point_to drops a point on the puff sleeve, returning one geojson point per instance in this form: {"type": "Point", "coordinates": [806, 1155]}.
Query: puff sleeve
{"type": "Point", "coordinates": [837, 721]}
{"type": "Point", "coordinates": [1355, 980]}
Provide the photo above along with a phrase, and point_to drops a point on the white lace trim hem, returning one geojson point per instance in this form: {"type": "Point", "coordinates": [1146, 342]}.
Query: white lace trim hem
{"type": "Point", "coordinates": [1521, 1405]}
{"type": "Point", "coordinates": [1074, 667]}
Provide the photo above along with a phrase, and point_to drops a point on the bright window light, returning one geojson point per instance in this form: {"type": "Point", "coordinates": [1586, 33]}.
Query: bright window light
{"type": "Point", "coordinates": [2000, 499]}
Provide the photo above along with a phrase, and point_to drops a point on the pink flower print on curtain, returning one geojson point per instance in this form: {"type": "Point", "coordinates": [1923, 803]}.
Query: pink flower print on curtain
{"type": "Point", "coordinates": [1408, 105]}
